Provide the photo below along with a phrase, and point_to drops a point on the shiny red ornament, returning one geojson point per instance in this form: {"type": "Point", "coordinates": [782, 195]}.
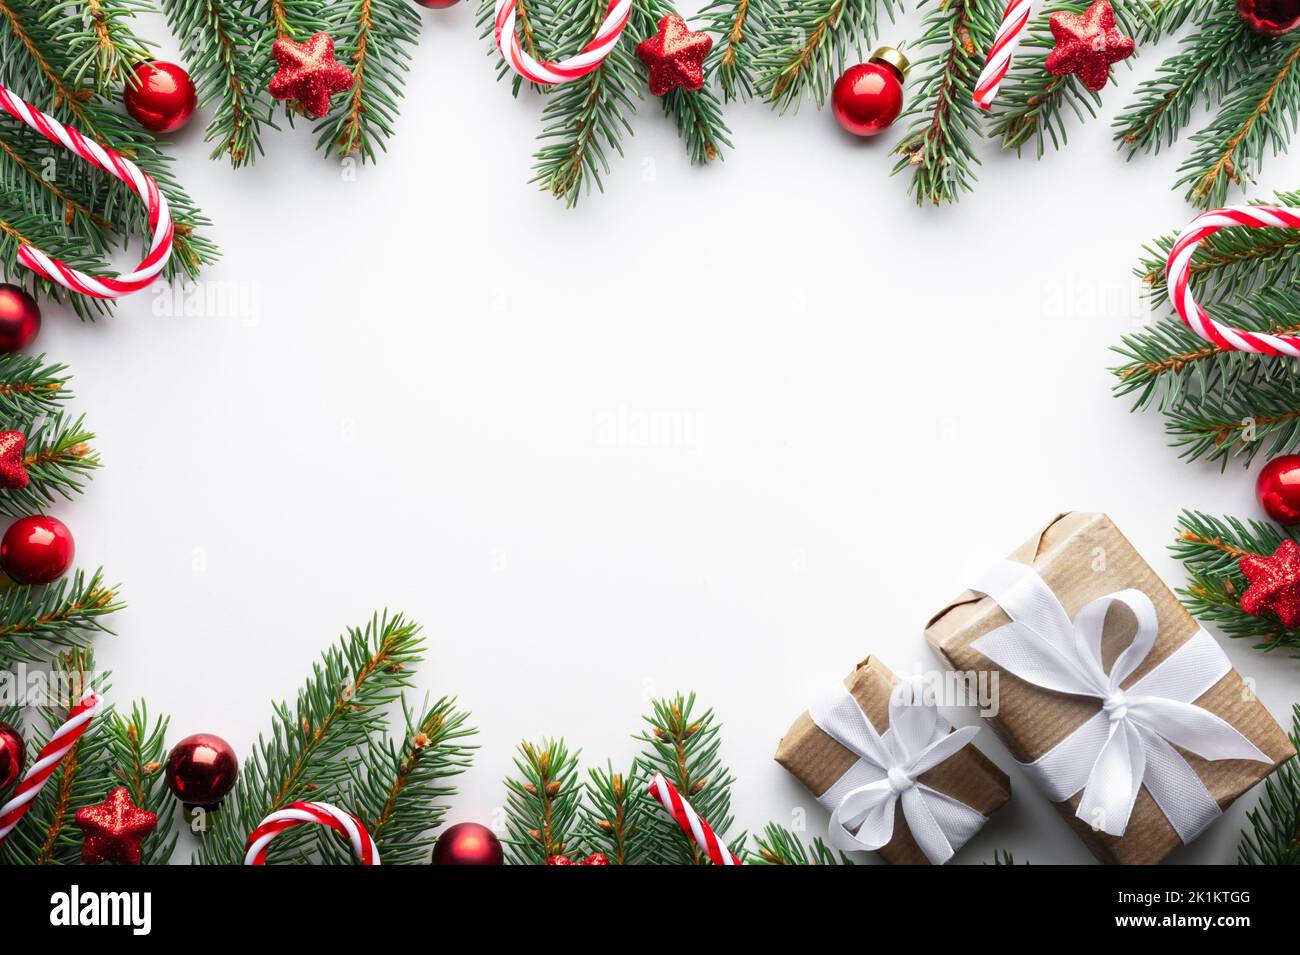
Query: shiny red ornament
{"type": "Point", "coordinates": [1270, 17]}
{"type": "Point", "coordinates": [307, 72]}
{"type": "Point", "coordinates": [20, 318]}
{"type": "Point", "coordinates": [1087, 44]}
{"type": "Point", "coordinates": [13, 756]}
{"type": "Point", "coordinates": [114, 829]}
{"type": "Point", "coordinates": [36, 550]}
{"type": "Point", "coordinates": [13, 468]}
{"type": "Point", "coordinates": [1274, 583]}
{"type": "Point", "coordinates": [201, 769]}
{"type": "Point", "coordinates": [162, 98]}
{"type": "Point", "coordinates": [1278, 489]}
{"type": "Point", "coordinates": [867, 98]}
{"type": "Point", "coordinates": [468, 843]}
{"type": "Point", "coordinates": [675, 56]}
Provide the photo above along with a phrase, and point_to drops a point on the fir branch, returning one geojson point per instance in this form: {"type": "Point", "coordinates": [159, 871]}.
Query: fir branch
{"type": "Point", "coordinates": [614, 813]}
{"type": "Point", "coordinates": [1274, 835]}
{"type": "Point", "coordinates": [1157, 18]}
{"type": "Point", "coordinates": [38, 622]}
{"type": "Point", "coordinates": [542, 802]}
{"type": "Point", "coordinates": [1240, 423]}
{"type": "Point", "coordinates": [1210, 549]}
{"type": "Point", "coordinates": [58, 459]}
{"type": "Point", "coordinates": [18, 228]}
{"type": "Point", "coordinates": [100, 42]}
{"type": "Point", "coordinates": [811, 41]}
{"type": "Point", "coordinates": [137, 751]}
{"type": "Point", "coordinates": [779, 846]}
{"type": "Point", "coordinates": [338, 710]}
{"type": "Point", "coordinates": [743, 29]}
{"type": "Point", "coordinates": [292, 19]}
{"type": "Point", "coordinates": [938, 147]}
{"type": "Point", "coordinates": [30, 386]}
{"type": "Point", "coordinates": [1260, 112]}
{"type": "Point", "coordinates": [376, 37]}
{"type": "Point", "coordinates": [1004, 857]}
{"type": "Point", "coordinates": [19, 173]}
{"type": "Point", "coordinates": [684, 747]}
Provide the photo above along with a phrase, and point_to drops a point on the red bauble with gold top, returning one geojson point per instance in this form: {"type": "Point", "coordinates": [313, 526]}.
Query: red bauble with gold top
{"type": "Point", "coordinates": [161, 97]}
{"type": "Point", "coordinates": [201, 769]}
{"type": "Point", "coordinates": [868, 97]}
{"type": "Point", "coordinates": [1270, 17]}
{"type": "Point", "coordinates": [468, 843]}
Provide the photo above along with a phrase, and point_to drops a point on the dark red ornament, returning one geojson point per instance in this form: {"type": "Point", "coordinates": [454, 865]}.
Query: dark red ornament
{"type": "Point", "coordinates": [308, 73]}
{"type": "Point", "coordinates": [675, 56]}
{"type": "Point", "coordinates": [1274, 583]}
{"type": "Point", "coordinates": [20, 318]}
{"type": "Point", "coordinates": [36, 550]}
{"type": "Point", "coordinates": [1087, 44]}
{"type": "Point", "coordinates": [867, 98]}
{"type": "Point", "coordinates": [162, 98]}
{"type": "Point", "coordinates": [13, 756]}
{"type": "Point", "coordinates": [437, 4]}
{"type": "Point", "coordinates": [13, 469]}
{"type": "Point", "coordinates": [1278, 489]}
{"type": "Point", "coordinates": [468, 843]}
{"type": "Point", "coordinates": [201, 769]}
{"type": "Point", "coordinates": [1270, 17]}
{"type": "Point", "coordinates": [114, 829]}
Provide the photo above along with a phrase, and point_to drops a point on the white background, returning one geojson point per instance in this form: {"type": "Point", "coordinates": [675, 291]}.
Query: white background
{"type": "Point", "coordinates": [728, 429]}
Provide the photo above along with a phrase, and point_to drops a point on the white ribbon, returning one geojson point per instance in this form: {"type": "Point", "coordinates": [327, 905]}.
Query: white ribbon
{"type": "Point", "coordinates": [1126, 744]}
{"type": "Point", "coordinates": [863, 800]}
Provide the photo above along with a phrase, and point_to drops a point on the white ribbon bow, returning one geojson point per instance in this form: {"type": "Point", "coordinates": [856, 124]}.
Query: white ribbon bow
{"type": "Point", "coordinates": [863, 800]}
{"type": "Point", "coordinates": [1127, 743]}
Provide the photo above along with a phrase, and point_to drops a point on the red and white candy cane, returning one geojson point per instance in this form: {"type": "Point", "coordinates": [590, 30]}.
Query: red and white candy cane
{"type": "Point", "coordinates": [694, 827]}
{"type": "Point", "coordinates": [302, 813]}
{"type": "Point", "coordinates": [586, 60]}
{"type": "Point", "coordinates": [995, 69]}
{"type": "Point", "coordinates": [47, 761]}
{"type": "Point", "coordinates": [1178, 277]}
{"type": "Point", "coordinates": [115, 164]}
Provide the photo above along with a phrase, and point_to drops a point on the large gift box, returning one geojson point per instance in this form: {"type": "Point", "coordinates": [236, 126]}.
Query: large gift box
{"type": "Point", "coordinates": [1115, 701]}
{"type": "Point", "coordinates": [914, 791]}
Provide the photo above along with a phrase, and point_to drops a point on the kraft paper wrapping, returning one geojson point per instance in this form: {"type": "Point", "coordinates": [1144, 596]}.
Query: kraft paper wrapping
{"type": "Point", "coordinates": [818, 761]}
{"type": "Point", "coordinates": [1081, 557]}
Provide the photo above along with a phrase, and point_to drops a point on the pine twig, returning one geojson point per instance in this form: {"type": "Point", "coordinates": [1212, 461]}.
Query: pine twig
{"type": "Point", "coordinates": [811, 41]}
{"type": "Point", "coordinates": [1274, 834]}
{"type": "Point", "coordinates": [542, 802]}
{"type": "Point", "coordinates": [58, 460]}
{"type": "Point", "coordinates": [36, 623]}
{"type": "Point", "coordinates": [779, 846]}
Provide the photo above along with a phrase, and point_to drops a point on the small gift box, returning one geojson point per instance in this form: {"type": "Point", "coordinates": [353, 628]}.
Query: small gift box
{"type": "Point", "coordinates": [894, 775]}
{"type": "Point", "coordinates": [1115, 701]}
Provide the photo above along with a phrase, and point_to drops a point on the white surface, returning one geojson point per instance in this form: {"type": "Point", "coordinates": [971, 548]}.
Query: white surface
{"type": "Point", "coordinates": [726, 430]}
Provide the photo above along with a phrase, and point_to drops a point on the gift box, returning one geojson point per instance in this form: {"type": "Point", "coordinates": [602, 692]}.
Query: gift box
{"type": "Point", "coordinates": [1110, 694]}
{"type": "Point", "coordinates": [880, 781]}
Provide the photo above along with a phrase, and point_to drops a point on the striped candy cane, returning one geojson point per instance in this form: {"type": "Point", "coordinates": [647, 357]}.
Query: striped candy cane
{"type": "Point", "coordinates": [1178, 278]}
{"type": "Point", "coordinates": [999, 58]}
{"type": "Point", "coordinates": [47, 761]}
{"type": "Point", "coordinates": [301, 813]}
{"type": "Point", "coordinates": [588, 59]}
{"type": "Point", "coordinates": [115, 164]}
{"type": "Point", "coordinates": [691, 823]}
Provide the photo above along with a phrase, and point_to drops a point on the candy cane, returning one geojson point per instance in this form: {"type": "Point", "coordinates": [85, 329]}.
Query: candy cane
{"type": "Point", "coordinates": [1178, 278]}
{"type": "Point", "coordinates": [590, 57]}
{"type": "Point", "coordinates": [691, 823]}
{"type": "Point", "coordinates": [115, 164]}
{"type": "Point", "coordinates": [47, 761]}
{"type": "Point", "coordinates": [300, 813]}
{"type": "Point", "coordinates": [1004, 45]}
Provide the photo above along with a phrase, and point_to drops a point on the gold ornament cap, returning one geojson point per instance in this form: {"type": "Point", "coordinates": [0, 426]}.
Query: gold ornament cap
{"type": "Point", "coordinates": [891, 57]}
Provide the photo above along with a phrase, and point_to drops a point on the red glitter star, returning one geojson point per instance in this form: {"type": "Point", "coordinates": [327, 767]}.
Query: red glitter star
{"type": "Point", "coordinates": [114, 829]}
{"type": "Point", "coordinates": [675, 56]}
{"type": "Point", "coordinates": [13, 470]}
{"type": "Point", "coordinates": [1274, 583]}
{"type": "Point", "coordinates": [308, 72]}
{"type": "Point", "coordinates": [1087, 44]}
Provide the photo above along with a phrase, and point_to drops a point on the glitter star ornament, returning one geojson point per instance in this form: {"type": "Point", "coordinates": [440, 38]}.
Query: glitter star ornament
{"type": "Point", "coordinates": [13, 469]}
{"type": "Point", "coordinates": [1087, 44]}
{"type": "Point", "coordinates": [308, 73]}
{"type": "Point", "coordinates": [1274, 584]}
{"type": "Point", "coordinates": [114, 829]}
{"type": "Point", "coordinates": [675, 56]}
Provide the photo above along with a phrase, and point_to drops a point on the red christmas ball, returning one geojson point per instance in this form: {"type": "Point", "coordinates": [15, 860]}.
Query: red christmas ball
{"type": "Point", "coordinates": [36, 550]}
{"type": "Point", "coordinates": [868, 97]}
{"type": "Point", "coordinates": [1270, 17]}
{"type": "Point", "coordinates": [1278, 489]}
{"type": "Point", "coordinates": [468, 843]}
{"type": "Point", "coordinates": [162, 98]}
{"type": "Point", "coordinates": [437, 4]}
{"type": "Point", "coordinates": [201, 769]}
{"type": "Point", "coordinates": [20, 318]}
{"type": "Point", "coordinates": [13, 755]}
